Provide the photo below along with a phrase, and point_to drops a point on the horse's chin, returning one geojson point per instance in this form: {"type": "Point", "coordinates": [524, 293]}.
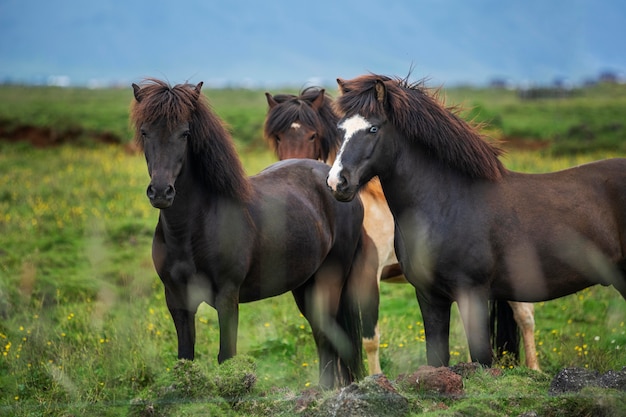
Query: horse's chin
{"type": "Point", "coordinates": [161, 203]}
{"type": "Point", "coordinates": [344, 195]}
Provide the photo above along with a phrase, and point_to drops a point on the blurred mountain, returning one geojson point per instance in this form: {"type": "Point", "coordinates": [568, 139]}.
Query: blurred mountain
{"type": "Point", "coordinates": [268, 43]}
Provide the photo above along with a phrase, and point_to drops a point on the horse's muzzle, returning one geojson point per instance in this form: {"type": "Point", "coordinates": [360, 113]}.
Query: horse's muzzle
{"type": "Point", "coordinates": [341, 188]}
{"type": "Point", "coordinates": [161, 197]}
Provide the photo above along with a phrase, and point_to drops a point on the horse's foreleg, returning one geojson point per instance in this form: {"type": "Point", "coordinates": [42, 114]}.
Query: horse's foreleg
{"type": "Point", "coordinates": [227, 306]}
{"type": "Point", "coordinates": [366, 290]}
{"type": "Point", "coordinates": [184, 324]}
{"type": "Point", "coordinates": [436, 315]}
{"type": "Point", "coordinates": [473, 307]}
{"type": "Point", "coordinates": [524, 314]}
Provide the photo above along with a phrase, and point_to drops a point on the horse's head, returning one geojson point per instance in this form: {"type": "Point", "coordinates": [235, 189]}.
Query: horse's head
{"type": "Point", "coordinates": [363, 153]}
{"type": "Point", "coordinates": [301, 126]}
{"type": "Point", "coordinates": [380, 114]}
{"type": "Point", "coordinates": [163, 117]}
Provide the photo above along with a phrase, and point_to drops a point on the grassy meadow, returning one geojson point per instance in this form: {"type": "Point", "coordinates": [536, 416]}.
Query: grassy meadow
{"type": "Point", "coordinates": [84, 329]}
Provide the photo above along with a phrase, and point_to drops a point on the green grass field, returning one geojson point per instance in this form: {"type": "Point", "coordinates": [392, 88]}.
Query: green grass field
{"type": "Point", "coordinates": [84, 326]}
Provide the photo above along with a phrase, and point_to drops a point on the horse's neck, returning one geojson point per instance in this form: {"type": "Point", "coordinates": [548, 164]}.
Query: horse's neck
{"type": "Point", "coordinates": [187, 203]}
{"type": "Point", "coordinates": [418, 181]}
{"type": "Point", "coordinates": [197, 208]}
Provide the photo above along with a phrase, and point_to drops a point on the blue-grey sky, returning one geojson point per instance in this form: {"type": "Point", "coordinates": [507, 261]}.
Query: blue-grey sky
{"type": "Point", "coordinates": [274, 42]}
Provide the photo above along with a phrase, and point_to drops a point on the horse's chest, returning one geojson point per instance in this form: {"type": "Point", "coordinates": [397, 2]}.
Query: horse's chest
{"type": "Point", "coordinates": [447, 250]}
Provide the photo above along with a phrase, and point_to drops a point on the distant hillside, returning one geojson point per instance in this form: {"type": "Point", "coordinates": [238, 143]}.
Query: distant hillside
{"type": "Point", "coordinates": [273, 42]}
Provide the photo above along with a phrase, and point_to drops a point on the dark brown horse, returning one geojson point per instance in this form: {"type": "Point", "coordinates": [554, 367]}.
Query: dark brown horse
{"type": "Point", "coordinates": [305, 126]}
{"type": "Point", "coordinates": [468, 229]}
{"type": "Point", "coordinates": [224, 239]}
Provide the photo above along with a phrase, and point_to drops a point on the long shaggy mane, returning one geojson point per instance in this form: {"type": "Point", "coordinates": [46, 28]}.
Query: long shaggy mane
{"type": "Point", "coordinates": [425, 121]}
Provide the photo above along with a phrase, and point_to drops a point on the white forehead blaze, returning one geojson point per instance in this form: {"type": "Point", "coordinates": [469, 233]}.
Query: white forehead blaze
{"type": "Point", "coordinates": [350, 126]}
{"type": "Point", "coordinates": [296, 125]}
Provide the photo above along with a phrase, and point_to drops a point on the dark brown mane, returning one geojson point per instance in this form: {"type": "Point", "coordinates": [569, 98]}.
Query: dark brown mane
{"type": "Point", "coordinates": [212, 152]}
{"type": "Point", "coordinates": [417, 113]}
{"type": "Point", "coordinates": [292, 108]}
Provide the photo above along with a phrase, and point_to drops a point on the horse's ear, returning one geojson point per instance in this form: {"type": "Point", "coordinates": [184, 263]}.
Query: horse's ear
{"type": "Point", "coordinates": [342, 85]}
{"type": "Point", "coordinates": [270, 100]}
{"type": "Point", "coordinates": [381, 91]}
{"type": "Point", "coordinates": [198, 88]}
{"type": "Point", "coordinates": [319, 100]}
{"type": "Point", "coordinates": [136, 91]}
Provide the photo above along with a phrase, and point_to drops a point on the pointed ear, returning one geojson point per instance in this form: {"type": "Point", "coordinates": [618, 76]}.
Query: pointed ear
{"type": "Point", "coordinates": [198, 88]}
{"type": "Point", "coordinates": [381, 91]}
{"type": "Point", "coordinates": [342, 85]}
{"type": "Point", "coordinates": [319, 100]}
{"type": "Point", "coordinates": [270, 100]}
{"type": "Point", "coordinates": [136, 91]}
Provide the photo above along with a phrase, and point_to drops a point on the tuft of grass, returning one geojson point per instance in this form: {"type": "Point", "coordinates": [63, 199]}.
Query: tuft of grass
{"type": "Point", "coordinates": [187, 388]}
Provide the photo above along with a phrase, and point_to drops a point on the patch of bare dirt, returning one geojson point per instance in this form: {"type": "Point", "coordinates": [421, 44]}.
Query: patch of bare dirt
{"type": "Point", "coordinates": [43, 137]}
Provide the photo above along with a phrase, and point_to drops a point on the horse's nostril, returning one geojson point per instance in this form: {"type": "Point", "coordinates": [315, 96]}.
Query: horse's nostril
{"type": "Point", "coordinates": [336, 181]}
{"type": "Point", "coordinates": [342, 183]}
{"type": "Point", "coordinates": [170, 191]}
{"type": "Point", "coordinates": [150, 192]}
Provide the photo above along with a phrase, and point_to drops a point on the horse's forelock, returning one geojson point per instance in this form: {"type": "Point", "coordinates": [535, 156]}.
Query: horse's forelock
{"type": "Point", "coordinates": [163, 103]}
{"type": "Point", "coordinates": [359, 96]}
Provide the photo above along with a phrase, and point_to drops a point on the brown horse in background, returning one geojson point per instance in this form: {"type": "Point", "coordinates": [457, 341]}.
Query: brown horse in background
{"type": "Point", "coordinates": [224, 239]}
{"type": "Point", "coordinates": [305, 126]}
{"type": "Point", "coordinates": [467, 229]}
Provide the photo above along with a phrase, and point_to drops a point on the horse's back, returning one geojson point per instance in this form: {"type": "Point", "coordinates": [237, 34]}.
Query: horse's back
{"type": "Point", "coordinates": [566, 228]}
{"type": "Point", "coordinates": [298, 221]}
{"type": "Point", "coordinates": [591, 191]}
{"type": "Point", "coordinates": [300, 186]}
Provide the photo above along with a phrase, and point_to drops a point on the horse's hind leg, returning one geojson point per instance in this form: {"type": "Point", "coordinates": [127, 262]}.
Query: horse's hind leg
{"type": "Point", "coordinates": [372, 349]}
{"type": "Point", "coordinates": [524, 314]}
{"type": "Point", "coordinates": [313, 303]}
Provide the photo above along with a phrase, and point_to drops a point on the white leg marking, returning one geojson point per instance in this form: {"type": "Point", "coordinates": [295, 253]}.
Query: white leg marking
{"type": "Point", "coordinates": [351, 126]}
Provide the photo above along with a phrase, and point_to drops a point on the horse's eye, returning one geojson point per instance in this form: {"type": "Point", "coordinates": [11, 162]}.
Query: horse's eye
{"type": "Point", "coordinates": [277, 138]}
{"type": "Point", "coordinates": [373, 129]}
{"type": "Point", "coordinates": [185, 135]}
{"type": "Point", "coordinates": [313, 137]}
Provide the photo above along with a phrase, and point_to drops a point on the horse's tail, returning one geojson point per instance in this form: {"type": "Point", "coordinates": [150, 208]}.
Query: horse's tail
{"type": "Point", "coordinates": [504, 330]}
{"type": "Point", "coordinates": [349, 319]}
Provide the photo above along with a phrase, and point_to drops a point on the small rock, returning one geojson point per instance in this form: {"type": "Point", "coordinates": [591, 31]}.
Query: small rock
{"type": "Point", "coordinates": [613, 379]}
{"type": "Point", "coordinates": [439, 381]}
{"type": "Point", "coordinates": [572, 380]}
{"type": "Point", "coordinates": [466, 369]}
